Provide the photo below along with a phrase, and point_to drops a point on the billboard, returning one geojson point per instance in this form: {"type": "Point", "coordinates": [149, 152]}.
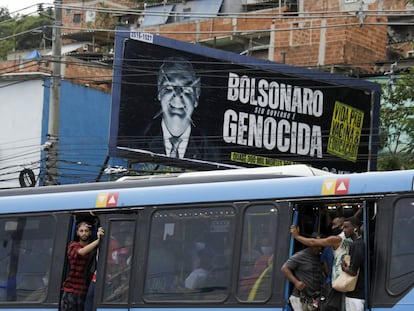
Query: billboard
{"type": "Point", "coordinates": [179, 100]}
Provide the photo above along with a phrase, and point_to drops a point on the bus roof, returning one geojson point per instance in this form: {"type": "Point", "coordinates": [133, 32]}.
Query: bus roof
{"type": "Point", "coordinates": [285, 170]}
{"type": "Point", "coordinates": [194, 190]}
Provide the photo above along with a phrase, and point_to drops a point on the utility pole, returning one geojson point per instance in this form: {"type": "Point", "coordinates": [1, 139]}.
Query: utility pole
{"type": "Point", "coordinates": [52, 144]}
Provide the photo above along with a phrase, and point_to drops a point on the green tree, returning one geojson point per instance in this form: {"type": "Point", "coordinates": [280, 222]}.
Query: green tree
{"type": "Point", "coordinates": [33, 30]}
{"type": "Point", "coordinates": [23, 32]}
{"type": "Point", "coordinates": [6, 29]}
{"type": "Point", "coordinates": [4, 14]}
{"type": "Point", "coordinates": [397, 124]}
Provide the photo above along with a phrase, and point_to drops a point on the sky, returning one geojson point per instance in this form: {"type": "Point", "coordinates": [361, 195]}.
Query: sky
{"type": "Point", "coordinates": [15, 5]}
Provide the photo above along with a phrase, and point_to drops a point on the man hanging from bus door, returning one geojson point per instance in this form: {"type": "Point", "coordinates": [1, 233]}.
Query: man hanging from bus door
{"type": "Point", "coordinates": [303, 270]}
{"type": "Point", "coordinates": [75, 286]}
{"type": "Point", "coordinates": [340, 245]}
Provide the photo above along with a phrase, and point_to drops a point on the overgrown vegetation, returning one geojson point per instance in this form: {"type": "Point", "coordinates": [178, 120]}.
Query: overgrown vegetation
{"type": "Point", "coordinates": [397, 124]}
{"type": "Point", "coordinates": [24, 32]}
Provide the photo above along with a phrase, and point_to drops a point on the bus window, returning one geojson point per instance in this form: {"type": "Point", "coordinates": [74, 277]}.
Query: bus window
{"type": "Point", "coordinates": [259, 234]}
{"type": "Point", "coordinates": [119, 260]}
{"type": "Point", "coordinates": [401, 273]}
{"type": "Point", "coordinates": [189, 254]}
{"type": "Point", "coordinates": [25, 253]}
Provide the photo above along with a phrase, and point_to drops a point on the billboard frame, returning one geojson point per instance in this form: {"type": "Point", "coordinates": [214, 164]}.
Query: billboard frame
{"type": "Point", "coordinates": [124, 34]}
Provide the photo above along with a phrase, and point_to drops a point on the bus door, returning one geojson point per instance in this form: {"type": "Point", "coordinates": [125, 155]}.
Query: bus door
{"type": "Point", "coordinates": [115, 260]}
{"type": "Point", "coordinates": [316, 217]}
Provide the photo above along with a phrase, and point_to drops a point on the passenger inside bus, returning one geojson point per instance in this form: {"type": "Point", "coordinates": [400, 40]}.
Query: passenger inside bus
{"type": "Point", "coordinates": [335, 241]}
{"type": "Point", "coordinates": [189, 254]}
{"type": "Point", "coordinates": [75, 287]}
{"type": "Point", "coordinates": [261, 264]}
{"type": "Point", "coordinates": [255, 274]}
{"type": "Point", "coordinates": [161, 264]}
{"type": "Point", "coordinates": [355, 300]}
{"type": "Point", "coordinates": [304, 271]}
{"type": "Point", "coordinates": [118, 264]}
{"type": "Point", "coordinates": [197, 278]}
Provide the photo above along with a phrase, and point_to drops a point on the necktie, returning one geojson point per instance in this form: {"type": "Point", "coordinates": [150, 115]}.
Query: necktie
{"type": "Point", "coordinates": [175, 141]}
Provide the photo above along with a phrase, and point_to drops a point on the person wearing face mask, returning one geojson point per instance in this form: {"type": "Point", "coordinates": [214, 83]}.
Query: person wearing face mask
{"type": "Point", "coordinates": [173, 131]}
{"type": "Point", "coordinates": [340, 245]}
{"type": "Point", "coordinates": [337, 225]}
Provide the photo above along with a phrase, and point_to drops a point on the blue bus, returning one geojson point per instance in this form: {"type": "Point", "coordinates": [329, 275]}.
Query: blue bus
{"type": "Point", "coordinates": [157, 227]}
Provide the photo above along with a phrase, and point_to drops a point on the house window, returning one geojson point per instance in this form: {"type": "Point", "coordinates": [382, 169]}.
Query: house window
{"type": "Point", "coordinates": [76, 18]}
{"type": "Point", "coordinates": [186, 13]}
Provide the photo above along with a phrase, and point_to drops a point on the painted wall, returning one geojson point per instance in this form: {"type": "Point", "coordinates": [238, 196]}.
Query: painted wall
{"type": "Point", "coordinates": [21, 132]}
{"type": "Point", "coordinates": [83, 132]}
{"type": "Point", "coordinates": [24, 117]}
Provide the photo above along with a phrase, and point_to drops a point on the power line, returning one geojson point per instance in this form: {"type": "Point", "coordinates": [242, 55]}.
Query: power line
{"type": "Point", "coordinates": [304, 15]}
{"type": "Point", "coordinates": [272, 14]}
{"type": "Point", "coordinates": [151, 70]}
{"type": "Point", "coordinates": [261, 30]}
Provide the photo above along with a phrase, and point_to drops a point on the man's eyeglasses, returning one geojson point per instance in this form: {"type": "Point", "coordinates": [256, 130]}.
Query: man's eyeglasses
{"type": "Point", "coordinates": [175, 90]}
{"type": "Point", "coordinates": [170, 89]}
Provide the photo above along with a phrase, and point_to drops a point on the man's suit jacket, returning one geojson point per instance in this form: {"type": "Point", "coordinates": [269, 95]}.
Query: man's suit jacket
{"type": "Point", "coordinates": [198, 146]}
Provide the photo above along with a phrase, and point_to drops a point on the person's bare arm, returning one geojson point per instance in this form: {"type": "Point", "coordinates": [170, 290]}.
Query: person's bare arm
{"type": "Point", "coordinates": [91, 246]}
{"type": "Point", "coordinates": [346, 268]}
{"type": "Point", "coordinates": [291, 277]}
{"type": "Point", "coordinates": [331, 241]}
{"type": "Point", "coordinates": [328, 218]}
{"type": "Point", "coordinates": [358, 212]}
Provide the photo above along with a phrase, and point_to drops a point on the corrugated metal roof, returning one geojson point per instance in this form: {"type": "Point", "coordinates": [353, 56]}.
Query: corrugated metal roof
{"type": "Point", "coordinates": [156, 15]}
{"type": "Point", "coordinates": [205, 9]}
{"type": "Point", "coordinates": [190, 10]}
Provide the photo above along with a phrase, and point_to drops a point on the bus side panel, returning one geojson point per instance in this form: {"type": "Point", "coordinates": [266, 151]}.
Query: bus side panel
{"type": "Point", "coordinates": [381, 298]}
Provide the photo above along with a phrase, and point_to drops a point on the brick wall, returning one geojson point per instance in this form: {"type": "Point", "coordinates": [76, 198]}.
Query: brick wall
{"type": "Point", "coordinates": [20, 66]}
{"type": "Point", "coordinates": [331, 35]}
{"type": "Point", "coordinates": [326, 32]}
{"type": "Point", "coordinates": [77, 71]}
{"type": "Point", "coordinates": [86, 73]}
{"type": "Point", "coordinates": [75, 17]}
{"type": "Point", "coordinates": [328, 39]}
